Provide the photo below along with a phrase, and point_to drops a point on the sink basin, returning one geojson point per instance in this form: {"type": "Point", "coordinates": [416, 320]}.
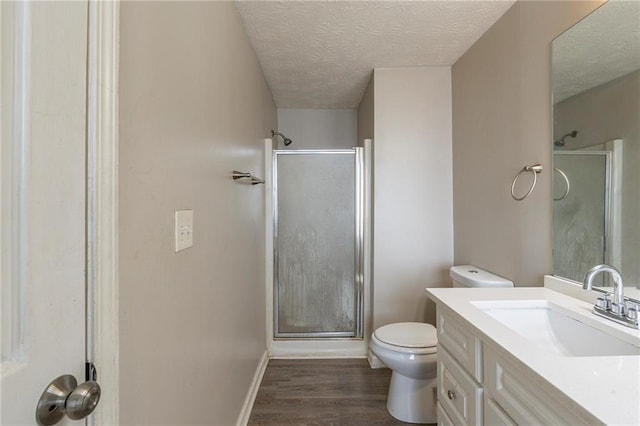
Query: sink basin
{"type": "Point", "coordinates": [545, 325]}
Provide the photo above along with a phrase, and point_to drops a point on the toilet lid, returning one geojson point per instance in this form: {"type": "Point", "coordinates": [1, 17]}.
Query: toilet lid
{"type": "Point", "coordinates": [408, 334]}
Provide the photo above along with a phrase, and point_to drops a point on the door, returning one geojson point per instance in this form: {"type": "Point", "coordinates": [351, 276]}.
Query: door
{"type": "Point", "coordinates": [318, 241]}
{"type": "Point", "coordinates": [44, 63]}
{"type": "Point", "coordinates": [580, 212]}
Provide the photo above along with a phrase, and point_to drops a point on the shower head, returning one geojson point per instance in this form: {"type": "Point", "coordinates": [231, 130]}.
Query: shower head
{"type": "Point", "coordinates": [561, 141]}
{"type": "Point", "coordinates": [285, 140]}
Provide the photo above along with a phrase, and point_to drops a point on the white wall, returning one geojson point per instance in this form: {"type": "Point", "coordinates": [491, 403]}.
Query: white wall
{"type": "Point", "coordinates": [318, 128]}
{"type": "Point", "coordinates": [502, 121]}
{"type": "Point", "coordinates": [193, 107]}
{"type": "Point", "coordinates": [366, 113]}
{"type": "Point", "coordinates": [413, 220]}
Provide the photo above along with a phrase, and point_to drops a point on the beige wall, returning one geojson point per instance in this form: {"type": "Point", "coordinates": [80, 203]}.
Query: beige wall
{"type": "Point", "coordinates": [318, 128]}
{"type": "Point", "coordinates": [502, 121]}
{"type": "Point", "coordinates": [365, 113]}
{"type": "Point", "coordinates": [413, 229]}
{"type": "Point", "coordinates": [193, 106]}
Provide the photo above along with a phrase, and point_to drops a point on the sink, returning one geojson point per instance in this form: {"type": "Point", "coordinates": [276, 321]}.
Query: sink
{"type": "Point", "coordinates": [547, 326]}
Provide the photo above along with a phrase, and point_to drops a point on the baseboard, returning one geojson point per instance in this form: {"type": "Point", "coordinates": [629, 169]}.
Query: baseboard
{"type": "Point", "coordinates": [318, 356]}
{"type": "Point", "coordinates": [329, 348]}
{"type": "Point", "coordinates": [245, 413]}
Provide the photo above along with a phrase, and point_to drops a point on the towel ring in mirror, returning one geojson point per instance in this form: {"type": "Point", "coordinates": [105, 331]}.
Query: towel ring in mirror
{"type": "Point", "coordinates": [568, 185]}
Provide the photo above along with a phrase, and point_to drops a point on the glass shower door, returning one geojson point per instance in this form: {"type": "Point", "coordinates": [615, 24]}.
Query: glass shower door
{"type": "Point", "coordinates": [581, 218]}
{"type": "Point", "coordinates": [318, 243]}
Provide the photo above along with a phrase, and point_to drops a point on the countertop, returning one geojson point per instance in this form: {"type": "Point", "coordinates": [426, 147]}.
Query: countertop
{"type": "Point", "coordinates": [608, 387]}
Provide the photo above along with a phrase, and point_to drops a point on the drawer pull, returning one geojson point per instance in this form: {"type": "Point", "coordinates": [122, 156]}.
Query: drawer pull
{"type": "Point", "coordinates": [451, 394]}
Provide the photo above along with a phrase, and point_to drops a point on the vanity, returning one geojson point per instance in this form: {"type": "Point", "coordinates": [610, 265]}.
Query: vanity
{"type": "Point", "coordinates": [539, 355]}
{"type": "Point", "coordinates": [533, 356]}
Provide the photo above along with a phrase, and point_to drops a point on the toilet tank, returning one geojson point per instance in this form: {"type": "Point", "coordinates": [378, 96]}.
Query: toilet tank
{"type": "Point", "coordinates": [472, 276]}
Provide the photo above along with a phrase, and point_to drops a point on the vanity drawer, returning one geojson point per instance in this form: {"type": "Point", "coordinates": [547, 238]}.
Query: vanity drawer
{"type": "Point", "coordinates": [522, 398]}
{"type": "Point", "coordinates": [458, 338]}
{"type": "Point", "coordinates": [459, 395]}
{"type": "Point", "coordinates": [443, 418]}
{"type": "Point", "coordinates": [494, 415]}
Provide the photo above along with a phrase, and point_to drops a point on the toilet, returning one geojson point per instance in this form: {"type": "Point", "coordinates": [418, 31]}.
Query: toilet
{"type": "Point", "coordinates": [471, 276]}
{"type": "Point", "coordinates": [409, 349]}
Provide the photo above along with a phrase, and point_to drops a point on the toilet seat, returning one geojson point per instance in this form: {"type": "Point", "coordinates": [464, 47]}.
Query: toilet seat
{"type": "Point", "coordinates": [409, 337]}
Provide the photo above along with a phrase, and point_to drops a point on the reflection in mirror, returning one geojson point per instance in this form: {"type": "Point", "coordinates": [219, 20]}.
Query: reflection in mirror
{"type": "Point", "coordinates": [596, 145]}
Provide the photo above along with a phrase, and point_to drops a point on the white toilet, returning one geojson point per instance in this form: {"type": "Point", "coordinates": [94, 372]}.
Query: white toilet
{"type": "Point", "coordinates": [471, 276]}
{"type": "Point", "coordinates": [409, 350]}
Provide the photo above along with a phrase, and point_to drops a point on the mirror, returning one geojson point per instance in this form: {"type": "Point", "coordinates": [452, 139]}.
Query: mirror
{"type": "Point", "coordinates": [596, 145]}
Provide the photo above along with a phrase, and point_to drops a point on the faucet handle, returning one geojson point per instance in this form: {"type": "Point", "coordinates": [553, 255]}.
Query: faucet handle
{"type": "Point", "coordinates": [604, 302]}
{"type": "Point", "coordinates": [619, 308]}
{"type": "Point", "coordinates": [633, 311]}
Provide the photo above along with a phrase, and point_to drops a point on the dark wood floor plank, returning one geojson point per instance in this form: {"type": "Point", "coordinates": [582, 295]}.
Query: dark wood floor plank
{"type": "Point", "coordinates": [323, 392]}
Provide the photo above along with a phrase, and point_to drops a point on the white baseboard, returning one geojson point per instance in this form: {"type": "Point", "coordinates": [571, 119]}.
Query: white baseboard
{"type": "Point", "coordinates": [328, 348]}
{"type": "Point", "coordinates": [318, 356]}
{"type": "Point", "coordinates": [245, 412]}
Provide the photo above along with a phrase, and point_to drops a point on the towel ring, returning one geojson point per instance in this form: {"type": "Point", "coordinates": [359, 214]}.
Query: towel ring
{"type": "Point", "coordinates": [535, 169]}
{"type": "Point", "coordinates": [244, 175]}
{"type": "Point", "coordinates": [566, 180]}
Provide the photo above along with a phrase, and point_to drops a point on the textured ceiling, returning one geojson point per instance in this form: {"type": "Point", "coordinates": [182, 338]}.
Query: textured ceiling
{"type": "Point", "coordinates": [603, 46]}
{"type": "Point", "coordinates": [320, 54]}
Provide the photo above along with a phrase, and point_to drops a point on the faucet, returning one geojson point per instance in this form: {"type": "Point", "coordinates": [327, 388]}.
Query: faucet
{"type": "Point", "coordinates": [618, 288]}
{"type": "Point", "coordinates": [617, 309]}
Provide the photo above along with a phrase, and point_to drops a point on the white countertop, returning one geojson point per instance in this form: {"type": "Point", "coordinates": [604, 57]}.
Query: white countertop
{"type": "Point", "coordinates": [608, 387]}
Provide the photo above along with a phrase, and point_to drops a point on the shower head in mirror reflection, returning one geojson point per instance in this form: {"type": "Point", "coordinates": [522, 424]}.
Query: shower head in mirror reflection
{"type": "Point", "coordinates": [561, 141]}
{"type": "Point", "coordinates": [285, 139]}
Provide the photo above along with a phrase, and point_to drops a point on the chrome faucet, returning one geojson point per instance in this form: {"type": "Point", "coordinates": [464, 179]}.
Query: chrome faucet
{"type": "Point", "coordinates": [616, 310]}
{"type": "Point", "coordinates": [618, 288]}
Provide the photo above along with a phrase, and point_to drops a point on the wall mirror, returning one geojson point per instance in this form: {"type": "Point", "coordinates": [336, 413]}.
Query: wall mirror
{"type": "Point", "coordinates": [596, 145]}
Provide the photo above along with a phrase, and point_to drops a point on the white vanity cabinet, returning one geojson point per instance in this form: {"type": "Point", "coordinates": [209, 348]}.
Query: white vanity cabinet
{"type": "Point", "coordinates": [459, 372]}
{"type": "Point", "coordinates": [458, 393]}
{"type": "Point", "coordinates": [481, 384]}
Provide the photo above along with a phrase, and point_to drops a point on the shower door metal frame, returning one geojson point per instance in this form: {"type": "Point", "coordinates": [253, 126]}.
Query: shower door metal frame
{"type": "Point", "coordinates": [359, 209]}
{"type": "Point", "coordinates": [607, 196]}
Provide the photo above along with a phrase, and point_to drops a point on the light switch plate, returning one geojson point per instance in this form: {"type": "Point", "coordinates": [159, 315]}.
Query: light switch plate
{"type": "Point", "coordinates": [183, 229]}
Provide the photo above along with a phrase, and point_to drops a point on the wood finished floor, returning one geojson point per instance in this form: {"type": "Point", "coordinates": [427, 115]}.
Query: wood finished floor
{"type": "Point", "coordinates": [322, 392]}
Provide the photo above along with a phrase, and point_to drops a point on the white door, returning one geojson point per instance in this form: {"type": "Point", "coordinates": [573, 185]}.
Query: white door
{"type": "Point", "coordinates": [44, 63]}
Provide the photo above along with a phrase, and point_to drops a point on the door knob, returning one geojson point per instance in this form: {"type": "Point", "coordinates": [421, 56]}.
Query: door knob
{"type": "Point", "coordinates": [83, 400]}
{"type": "Point", "coordinates": [65, 396]}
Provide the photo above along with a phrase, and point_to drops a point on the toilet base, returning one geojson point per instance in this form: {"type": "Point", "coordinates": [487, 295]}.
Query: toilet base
{"type": "Point", "coordinates": [412, 400]}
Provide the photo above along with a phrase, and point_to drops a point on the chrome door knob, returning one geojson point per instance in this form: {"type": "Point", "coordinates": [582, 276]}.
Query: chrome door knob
{"type": "Point", "coordinates": [64, 396]}
{"type": "Point", "coordinates": [83, 400]}
{"type": "Point", "coordinates": [50, 409]}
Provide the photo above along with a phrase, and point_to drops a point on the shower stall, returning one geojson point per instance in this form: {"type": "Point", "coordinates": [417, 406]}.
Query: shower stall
{"type": "Point", "coordinates": [586, 209]}
{"type": "Point", "coordinates": [318, 233]}
{"type": "Point", "coordinates": [581, 213]}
